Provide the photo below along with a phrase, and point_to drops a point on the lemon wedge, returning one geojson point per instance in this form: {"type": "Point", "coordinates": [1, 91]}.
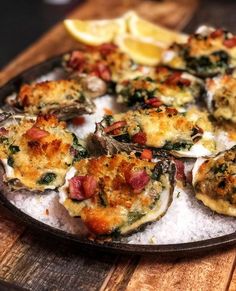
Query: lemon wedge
{"type": "Point", "coordinates": [95, 32]}
{"type": "Point", "coordinates": [142, 52]}
{"type": "Point", "coordinates": [141, 28]}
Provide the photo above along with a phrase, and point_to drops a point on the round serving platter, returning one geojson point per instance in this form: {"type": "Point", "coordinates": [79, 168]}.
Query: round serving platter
{"type": "Point", "coordinates": [166, 249]}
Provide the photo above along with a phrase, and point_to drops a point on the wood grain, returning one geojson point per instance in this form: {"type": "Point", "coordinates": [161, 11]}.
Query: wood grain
{"type": "Point", "coordinates": [208, 273]}
{"type": "Point", "coordinates": [38, 264]}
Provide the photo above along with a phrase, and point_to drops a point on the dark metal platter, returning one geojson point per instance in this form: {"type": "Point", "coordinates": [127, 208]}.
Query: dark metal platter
{"type": "Point", "coordinates": [168, 249]}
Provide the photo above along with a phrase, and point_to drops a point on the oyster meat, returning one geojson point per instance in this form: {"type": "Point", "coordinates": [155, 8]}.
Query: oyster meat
{"type": "Point", "coordinates": [214, 182]}
{"type": "Point", "coordinates": [118, 194]}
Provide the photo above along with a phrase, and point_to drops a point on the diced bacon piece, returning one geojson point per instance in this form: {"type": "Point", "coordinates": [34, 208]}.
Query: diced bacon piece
{"type": "Point", "coordinates": [102, 71]}
{"type": "Point", "coordinates": [146, 154]}
{"type": "Point", "coordinates": [171, 111]}
{"type": "Point", "coordinates": [217, 33]}
{"type": "Point", "coordinates": [77, 60]}
{"type": "Point", "coordinates": [115, 125]}
{"type": "Point", "coordinates": [107, 48]}
{"type": "Point", "coordinates": [140, 138]}
{"type": "Point", "coordinates": [180, 175]}
{"type": "Point", "coordinates": [137, 180]}
{"type": "Point", "coordinates": [79, 120]}
{"type": "Point", "coordinates": [230, 42]}
{"type": "Point", "coordinates": [154, 102]}
{"type": "Point", "coordinates": [3, 131]}
{"type": "Point", "coordinates": [82, 187]}
{"type": "Point", "coordinates": [176, 79]}
{"type": "Point", "coordinates": [36, 133]}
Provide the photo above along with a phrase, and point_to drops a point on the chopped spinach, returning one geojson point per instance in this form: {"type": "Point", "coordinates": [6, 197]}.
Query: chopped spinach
{"type": "Point", "coordinates": [78, 151]}
{"type": "Point", "coordinates": [133, 216]}
{"type": "Point", "coordinates": [108, 119]}
{"type": "Point", "coordinates": [10, 161]}
{"type": "Point", "coordinates": [14, 149]}
{"type": "Point", "coordinates": [177, 146]}
{"type": "Point", "coordinates": [47, 178]}
{"type": "Point", "coordinates": [4, 140]}
{"type": "Point", "coordinates": [157, 172]}
{"type": "Point", "coordinates": [103, 199]}
{"type": "Point", "coordinates": [122, 137]}
{"type": "Point", "coordinates": [153, 204]}
{"type": "Point", "coordinates": [220, 169]}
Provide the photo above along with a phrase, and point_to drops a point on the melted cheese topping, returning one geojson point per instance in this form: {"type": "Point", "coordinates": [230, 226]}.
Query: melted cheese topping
{"type": "Point", "coordinates": [35, 158]}
{"type": "Point", "coordinates": [222, 95]}
{"type": "Point", "coordinates": [115, 203]}
{"type": "Point", "coordinates": [42, 97]}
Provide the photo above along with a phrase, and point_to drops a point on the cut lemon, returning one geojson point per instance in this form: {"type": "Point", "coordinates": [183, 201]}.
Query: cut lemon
{"type": "Point", "coordinates": [95, 32]}
{"type": "Point", "coordinates": [142, 52]}
{"type": "Point", "coordinates": [145, 29]}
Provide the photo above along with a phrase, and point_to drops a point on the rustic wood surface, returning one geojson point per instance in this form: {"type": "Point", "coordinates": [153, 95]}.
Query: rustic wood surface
{"type": "Point", "coordinates": [37, 263]}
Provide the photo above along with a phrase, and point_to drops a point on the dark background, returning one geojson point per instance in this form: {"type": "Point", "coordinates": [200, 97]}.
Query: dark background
{"type": "Point", "coordinates": [23, 21]}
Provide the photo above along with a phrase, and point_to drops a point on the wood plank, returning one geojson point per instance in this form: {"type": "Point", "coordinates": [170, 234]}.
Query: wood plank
{"type": "Point", "coordinates": [232, 283]}
{"type": "Point", "coordinates": [174, 14]}
{"type": "Point", "coordinates": [37, 264]}
{"type": "Point", "coordinates": [211, 272]}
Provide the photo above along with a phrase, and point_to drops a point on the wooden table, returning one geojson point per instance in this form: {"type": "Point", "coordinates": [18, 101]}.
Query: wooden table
{"type": "Point", "coordinates": [33, 262]}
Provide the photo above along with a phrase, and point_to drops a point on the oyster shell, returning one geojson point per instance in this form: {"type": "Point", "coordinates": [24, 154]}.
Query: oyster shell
{"type": "Point", "coordinates": [221, 97]}
{"type": "Point", "coordinates": [126, 194]}
{"type": "Point", "coordinates": [208, 52]}
{"type": "Point", "coordinates": [214, 182]}
{"type": "Point", "coordinates": [36, 153]}
{"type": "Point", "coordinates": [164, 130]}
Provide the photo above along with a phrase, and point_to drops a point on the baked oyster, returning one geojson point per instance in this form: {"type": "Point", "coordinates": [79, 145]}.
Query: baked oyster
{"type": "Point", "coordinates": [165, 86]}
{"type": "Point", "coordinates": [118, 194]}
{"type": "Point", "coordinates": [161, 129]}
{"type": "Point", "coordinates": [105, 61]}
{"type": "Point", "coordinates": [64, 98]}
{"type": "Point", "coordinates": [36, 153]}
{"type": "Point", "coordinates": [221, 96]}
{"type": "Point", "coordinates": [208, 52]}
{"type": "Point", "coordinates": [214, 182]}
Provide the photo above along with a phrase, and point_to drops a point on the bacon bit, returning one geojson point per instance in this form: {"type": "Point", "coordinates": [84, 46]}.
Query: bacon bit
{"type": "Point", "coordinates": [36, 133]}
{"type": "Point", "coordinates": [180, 175]}
{"type": "Point", "coordinates": [78, 120]}
{"type": "Point", "coordinates": [140, 138]}
{"type": "Point", "coordinates": [217, 33]}
{"type": "Point", "coordinates": [176, 79]}
{"type": "Point", "coordinates": [171, 111]}
{"type": "Point", "coordinates": [107, 48]}
{"type": "Point", "coordinates": [77, 60]}
{"type": "Point", "coordinates": [3, 131]}
{"type": "Point", "coordinates": [146, 155]}
{"type": "Point", "coordinates": [161, 70]}
{"type": "Point", "coordinates": [82, 187]}
{"type": "Point", "coordinates": [230, 43]}
{"type": "Point", "coordinates": [115, 125]}
{"type": "Point", "coordinates": [102, 71]}
{"type": "Point", "coordinates": [154, 102]}
{"type": "Point", "coordinates": [189, 177]}
{"type": "Point", "coordinates": [137, 180]}
{"type": "Point", "coordinates": [108, 111]}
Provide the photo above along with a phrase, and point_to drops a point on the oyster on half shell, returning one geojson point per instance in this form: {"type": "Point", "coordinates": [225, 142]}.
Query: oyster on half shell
{"type": "Point", "coordinates": [36, 153]}
{"type": "Point", "coordinates": [207, 52]}
{"type": "Point", "coordinates": [214, 182]}
{"type": "Point", "coordinates": [64, 98]}
{"type": "Point", "coordinates": [163, 129]}
{"type": "Point", "coordinates": [118, 194]}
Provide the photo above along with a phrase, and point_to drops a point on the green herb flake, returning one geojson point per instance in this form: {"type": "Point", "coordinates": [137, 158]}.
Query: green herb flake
{"type": "Point", "coordinates": [10, 161]}
{"type": "Point", "coordinates": [47, 178]}
{"type": "Point", "coordinates": [14, 149]}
